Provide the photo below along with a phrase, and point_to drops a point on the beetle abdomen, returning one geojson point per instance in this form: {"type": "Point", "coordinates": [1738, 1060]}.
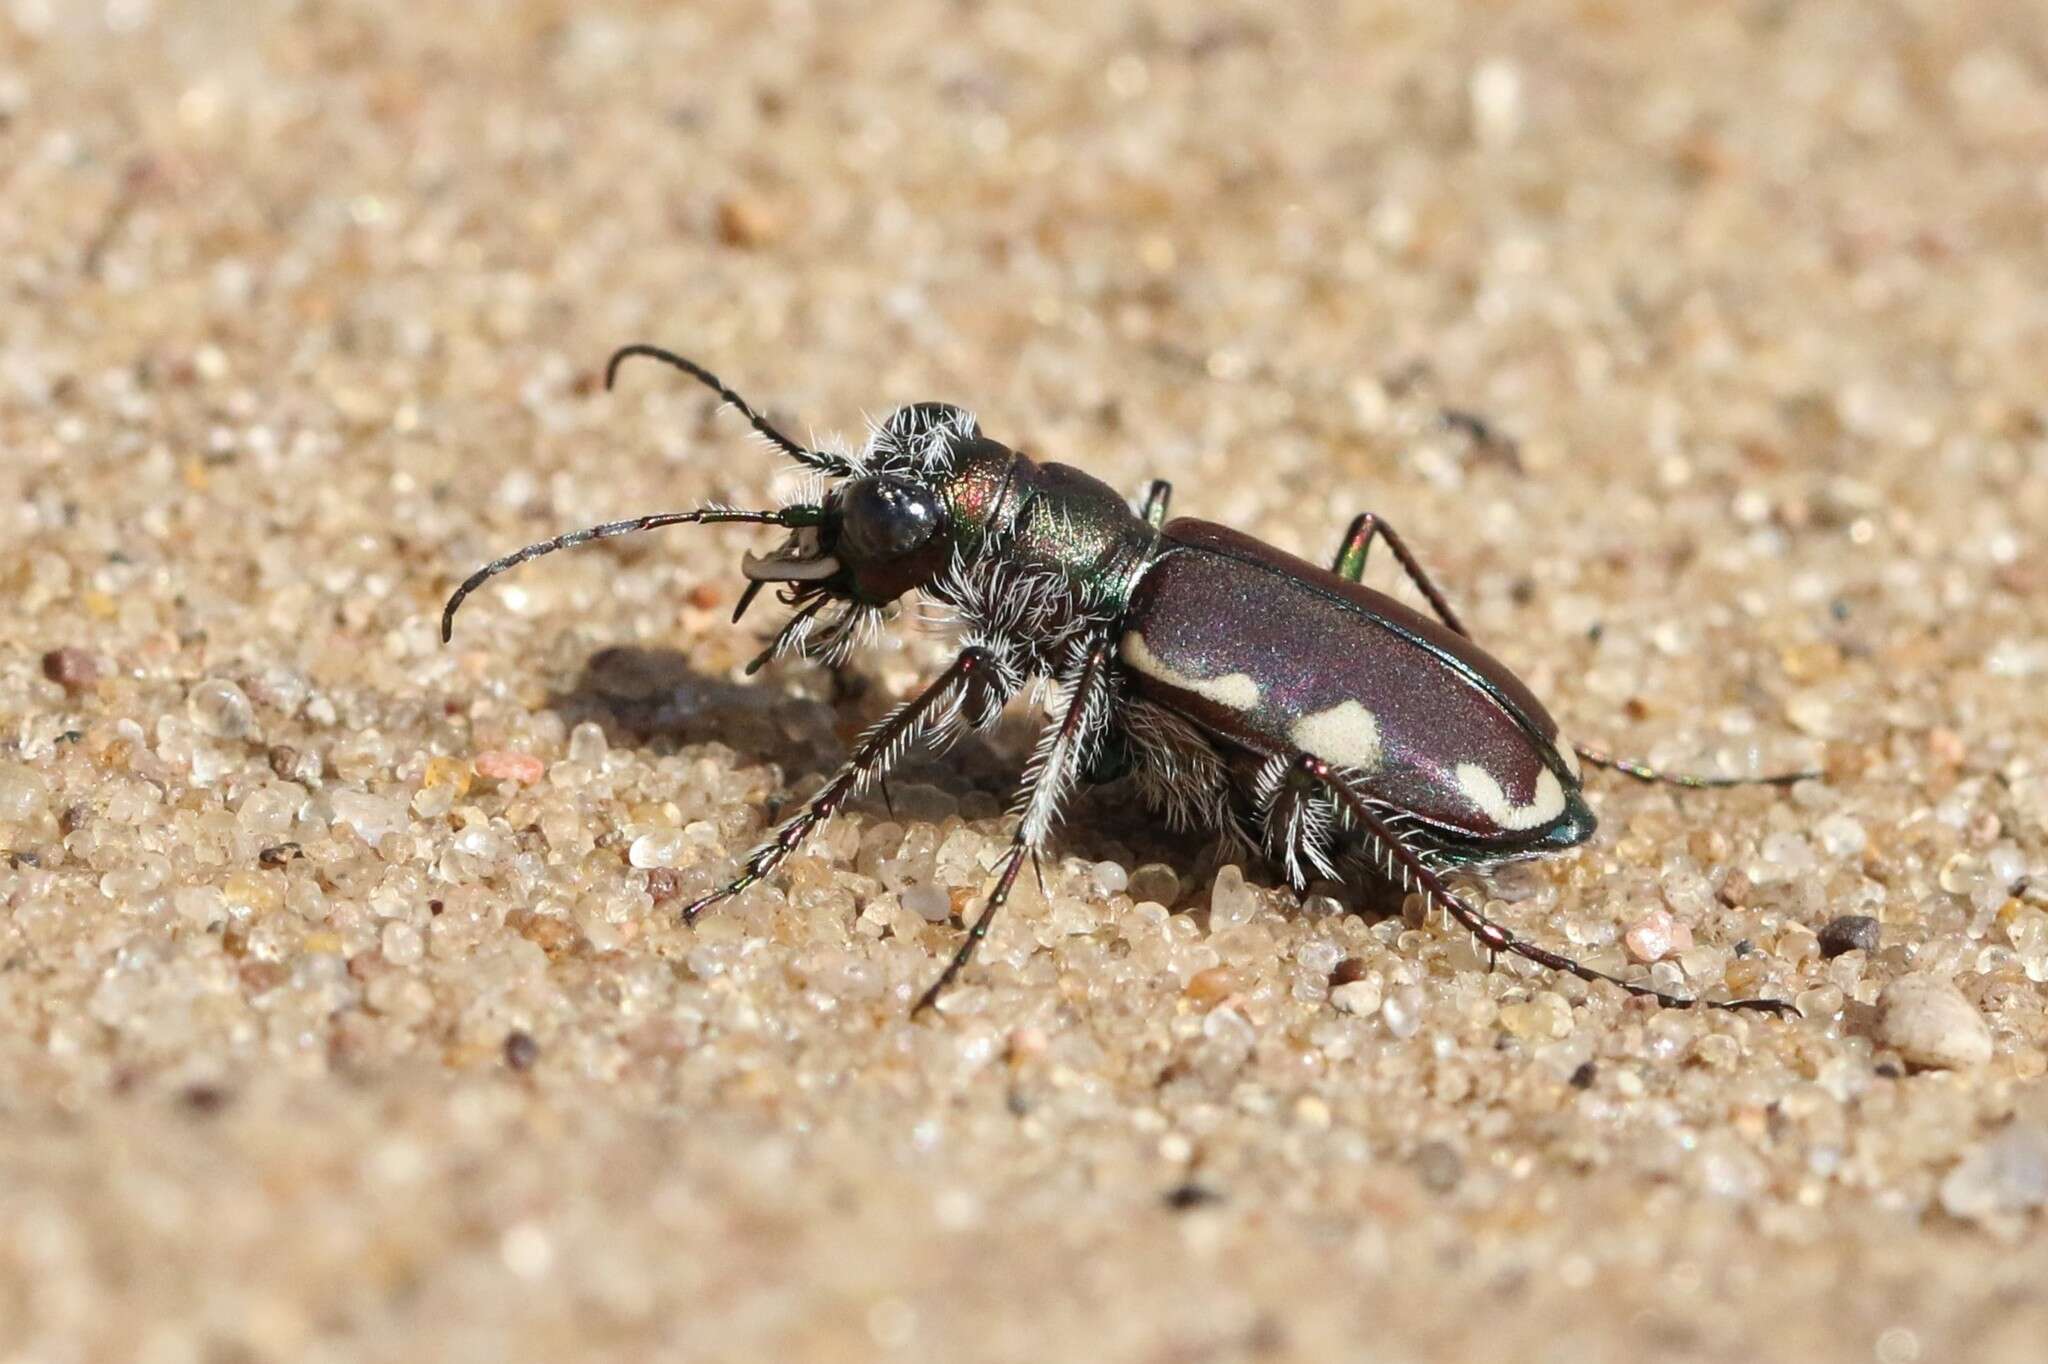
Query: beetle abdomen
{"type": "Point", "coordinates": [1273, 654]}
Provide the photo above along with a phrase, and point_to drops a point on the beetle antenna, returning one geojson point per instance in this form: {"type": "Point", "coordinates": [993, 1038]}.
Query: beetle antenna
{"type": "Point", "coordinates": [1629, 767]}
{"type": "Point", "coordinates": [787, 516]}
{"type": "Point", "coordinates": [810, 459]}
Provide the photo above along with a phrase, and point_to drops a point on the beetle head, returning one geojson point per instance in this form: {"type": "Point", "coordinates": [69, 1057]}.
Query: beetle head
{"type": "Point", "coordinates": [877, 537]}
{"type": "Point", "coordinates": [878, 527]}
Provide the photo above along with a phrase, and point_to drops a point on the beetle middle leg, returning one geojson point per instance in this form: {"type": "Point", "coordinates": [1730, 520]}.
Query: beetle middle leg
{"type": "Point", "coordinates": [1058, 761]}
{"type": "Point", "coordinates": [1350, 565]}
{"type": "Point", "coordinates": [1413, 872]}
{"type": "Point", "coordinates": [935, 710]}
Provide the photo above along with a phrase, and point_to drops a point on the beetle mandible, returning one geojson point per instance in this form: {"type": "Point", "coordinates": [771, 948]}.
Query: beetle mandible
{"type": "Point", "coordinates": [1245, 691]}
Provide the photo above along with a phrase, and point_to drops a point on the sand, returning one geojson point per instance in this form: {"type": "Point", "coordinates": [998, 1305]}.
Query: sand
{"type": "Point", "coordinates": [344, 1012]}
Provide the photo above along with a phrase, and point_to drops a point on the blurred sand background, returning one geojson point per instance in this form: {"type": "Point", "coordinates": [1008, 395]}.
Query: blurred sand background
{"type": "Point", "coordinates": [343, 1013]}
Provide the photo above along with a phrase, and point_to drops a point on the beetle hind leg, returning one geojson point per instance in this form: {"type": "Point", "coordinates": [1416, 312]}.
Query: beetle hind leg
{"type": "Point", "coordinates": [1351, 555]}
{"type": "Point", "coordinates": [1350, 565]}
{"type": "Point", "coordinates": [1641, 771]}
{"type": "Point", "coordinates": [1158, 497]}
{"type": "Point", "coordinates": [1414, 872]}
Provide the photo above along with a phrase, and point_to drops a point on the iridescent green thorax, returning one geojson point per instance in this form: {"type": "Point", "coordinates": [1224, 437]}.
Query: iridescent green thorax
{"type": "Point", "coordinates": [1051, 518]}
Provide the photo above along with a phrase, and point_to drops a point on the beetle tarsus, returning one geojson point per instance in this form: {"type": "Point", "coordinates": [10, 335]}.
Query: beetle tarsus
{"type": "Point", "coordinates": [965, 951]}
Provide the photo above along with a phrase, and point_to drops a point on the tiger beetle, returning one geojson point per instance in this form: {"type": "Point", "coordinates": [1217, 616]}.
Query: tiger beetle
{"type": "Point", "coordinates": [1289, 708]}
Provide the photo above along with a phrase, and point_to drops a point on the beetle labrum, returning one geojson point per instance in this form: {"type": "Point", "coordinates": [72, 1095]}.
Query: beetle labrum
{"type": "Point", "coordinates": [1244, 691]}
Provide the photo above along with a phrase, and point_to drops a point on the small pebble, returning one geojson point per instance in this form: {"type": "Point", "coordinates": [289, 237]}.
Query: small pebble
{"type": "Point", "coordinates": [1359, 997]}
{"type": "Point", "coordinates": [503, 764]}
{"type": "Point", "coordinates": [1931, 1025]}
{"type": "Point", "coordinates": [1156, 882]}
{"type": "Point", "coordinates": [295, 765]}
{"type": "Point", "coordinates": [587, 744]}
{"type": "Point", "coordinates": [1545, 1018]}
{"type": "Point", "coordinates": [661, 848]}
{"type": "Point", "coordinates": [1231, 901]}
{"type": "Point", "coordinates": [71, 668]}
{"type": "Point", "coordinates": [1849, 933]}
{"type": "Point", "coordinates": [1439, 1166]}
{"type": "Point", "coordinates": [1182, 1197]}
{"type": "Point", "coordinates": [747, 220]}
{"type": "Point", "coordinates": [372, 817]}
{"type": "Point", "coordinates": [1206, 989]}
{"type": "Point", "coordinates": [2006, 1174]}
{"type": "Point", "coordinates": [1110, 877]}
{"type": "Point", "coordinates": [200, 906]}
{"type": "Point", "coordinates": [1841, 836]}
{"type": "Point", "coordinates": [521, 1051]}
{"type": "Point", "coordinates": [24, 793]}
{"type": "Point", "coordinates": [928, 902]}
{"type": "Point", "coordinates": [221, 709]}
{"type": "Point", "coordinates": [401, 943]}
{"type": "Point", "coordinates": [1656, 936]}
{"type": "Point", "coordinates": [1402, 1011]}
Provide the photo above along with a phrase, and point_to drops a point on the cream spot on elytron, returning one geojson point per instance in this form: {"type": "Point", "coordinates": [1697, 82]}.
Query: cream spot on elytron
{"type": "Point", "coordinates": [1570, 753]}
{"type": "Point", "coordinates": [1235, 690]}
{"type": "Point", "coordinates": [1346, 734]}
{"type": "Point", "coordinates": [1483, 790]}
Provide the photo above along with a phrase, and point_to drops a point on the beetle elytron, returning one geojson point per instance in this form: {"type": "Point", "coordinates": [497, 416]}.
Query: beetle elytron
{"type": "Point", "coordinates": [1243, 690]}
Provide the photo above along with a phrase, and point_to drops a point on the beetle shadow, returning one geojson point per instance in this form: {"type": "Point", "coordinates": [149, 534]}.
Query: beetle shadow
{"type": "Point", "coordinates": [639, 695]}
{"type": "Point", "coordinates": [656, 698]}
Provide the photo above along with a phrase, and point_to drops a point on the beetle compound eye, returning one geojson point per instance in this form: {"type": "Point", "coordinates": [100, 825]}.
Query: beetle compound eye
{"type": "Point", "coordinates": [886, 517]}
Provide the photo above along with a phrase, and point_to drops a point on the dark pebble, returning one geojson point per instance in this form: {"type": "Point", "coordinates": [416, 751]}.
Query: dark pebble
{"type": "Point", "coordinates": [1850, 933]}
{"type": "Point", "coordinates": [521, 1051]}
{"type": "Point", "coordinates": [71, 668]}
{"type": "Point", "coordinates": [205, 1100]}
{"type": "Point", "coordinates": [1585, 1075]}
{"type": "Point", "coordinates": [1191, 1195]}
{"type": "Point", "coordinates": [1439, 1166]}
{"type": "Point", "coordinates": [1348, 970]}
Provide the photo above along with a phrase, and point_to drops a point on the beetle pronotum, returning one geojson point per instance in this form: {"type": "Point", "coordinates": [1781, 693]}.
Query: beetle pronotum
{"type": "Point", "coordinates": [1243, 690]}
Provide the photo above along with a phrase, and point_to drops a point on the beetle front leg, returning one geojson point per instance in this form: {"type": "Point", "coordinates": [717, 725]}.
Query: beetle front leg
{"type": "Point", "coordinates": [1060, 759]}
{"type": "Point", "coordinates": [1350, 564]}
{"type": "Point", "coordinates": [1415, 873]}
{"type": "Point", "coordinates": [935, 708]}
